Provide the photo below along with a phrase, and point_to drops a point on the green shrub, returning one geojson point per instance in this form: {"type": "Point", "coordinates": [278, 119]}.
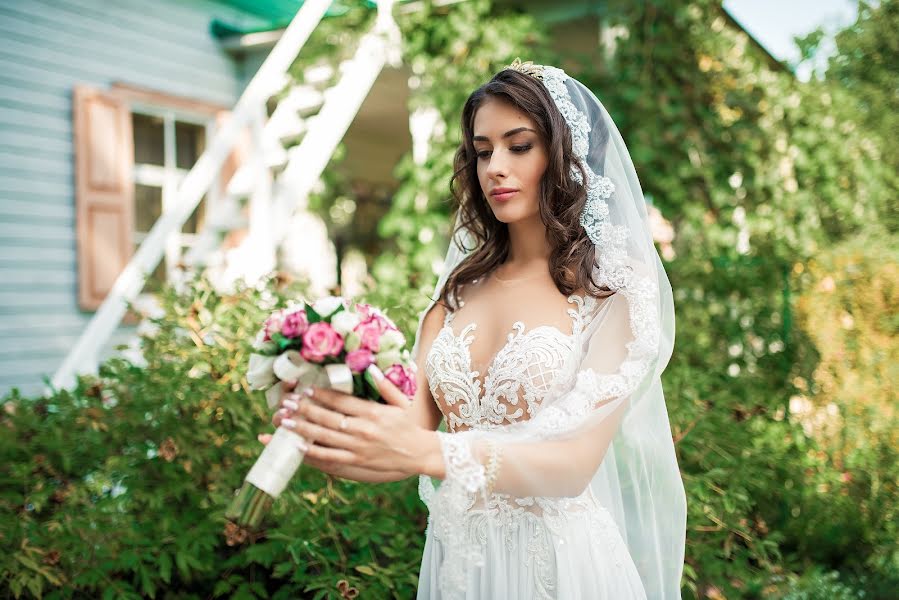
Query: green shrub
{"type": "Point", "coordinates": [822, 586]}
{"type": "Point", "coordinates": [117, 488]}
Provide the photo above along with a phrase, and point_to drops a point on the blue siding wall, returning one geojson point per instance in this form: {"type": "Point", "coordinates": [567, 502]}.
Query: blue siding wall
{"type": "Point", "coordinates": [46, 48]}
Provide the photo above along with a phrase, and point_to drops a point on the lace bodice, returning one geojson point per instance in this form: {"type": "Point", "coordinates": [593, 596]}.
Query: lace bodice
{"type": "Point", "coordinates": [521, 373]}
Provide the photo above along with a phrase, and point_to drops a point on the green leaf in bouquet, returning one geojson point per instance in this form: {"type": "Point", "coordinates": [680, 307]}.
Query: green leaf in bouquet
{"type": "Point", "coordinates": [372, 387]}
{"type": "Point", "coordinates": [359, 386]}
{"type": "Point", "coordinates": [312, 316]}
{"type": "Point", "coordinates": [340, 308]}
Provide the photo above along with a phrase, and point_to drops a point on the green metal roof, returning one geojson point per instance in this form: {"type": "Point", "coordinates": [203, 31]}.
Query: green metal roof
{"type": "Point", "coordinates": [270, 10]}
{"type": "Point", "coordinates": [277, 14]}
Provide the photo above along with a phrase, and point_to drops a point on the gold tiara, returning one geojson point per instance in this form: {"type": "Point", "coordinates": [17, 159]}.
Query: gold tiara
{"type": "Point", "coordinates": [528, 68]}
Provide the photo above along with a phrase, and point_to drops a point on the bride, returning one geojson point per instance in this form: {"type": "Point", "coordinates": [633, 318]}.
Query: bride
{"type": "Point", "coordinates": [542, 354]}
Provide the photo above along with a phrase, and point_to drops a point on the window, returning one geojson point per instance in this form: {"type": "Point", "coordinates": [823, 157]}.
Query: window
{"type": "Point", "coordinates": [166, 146]}
{"type": "Point", "coordinates": [133, 148]}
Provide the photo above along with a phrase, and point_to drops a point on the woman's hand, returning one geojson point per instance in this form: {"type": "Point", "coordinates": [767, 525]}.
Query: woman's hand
{"type": "Point", "coordinates": [288, 411]}
{"type": "Point", "coordinates": [344, 471]}
{"type": "Point", "coordinates": [374, 436]}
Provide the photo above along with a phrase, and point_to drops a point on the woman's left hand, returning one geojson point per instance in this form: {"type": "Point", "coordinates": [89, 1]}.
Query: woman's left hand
{"type": "Point", "coordinates": [376, 436]}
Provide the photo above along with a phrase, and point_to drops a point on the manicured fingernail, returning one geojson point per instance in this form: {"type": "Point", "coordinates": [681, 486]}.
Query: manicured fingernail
{"type": "Point", "coordinates": [309, 392]}
{"type": "Point", "coordinates": [375, 372]}
{"type": "Point", "coordinates": [293, 396]}
{"type": "Point", "coordinates": [288, 423]}
{"type": "Point", "coordinates": [290, 404]}
{"type": "Point", "coordinates": [303, 446]}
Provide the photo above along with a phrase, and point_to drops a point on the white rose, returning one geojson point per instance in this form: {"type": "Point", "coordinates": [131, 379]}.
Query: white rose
{"type": "Point", "coordinates": [352, 341]}
{"type": "Point", "coordinates": [260, 344]}
{"type": "Point", "coordinates": [345, 321]}
{"type": "Point", "coordinates": [292, 367]}
{"type": "Point", "coordinates": [260, 374]}
{"type": "Point", "coordinates": [385, 360]}
{"type": "Point", "coordinates": [327, 305]}
{"type": "Point", "coordinates": [391, 340]}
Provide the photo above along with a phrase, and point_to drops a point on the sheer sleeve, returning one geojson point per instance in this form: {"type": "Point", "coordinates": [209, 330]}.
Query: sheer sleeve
{"type": "Point", "coordinates": [562, 461]}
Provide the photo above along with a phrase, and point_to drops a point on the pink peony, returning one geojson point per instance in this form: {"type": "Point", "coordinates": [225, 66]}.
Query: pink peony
{"type": "Point", "coordinates": [402, 378]}
{"type": "Point", "coordinates": [370, 333]}
{"type": "Point", "coordinates": [359, 360]}
{"type": "Point", "coordinates": [295, 324]}
{"type": "Point", "coordinates": [321, 341]}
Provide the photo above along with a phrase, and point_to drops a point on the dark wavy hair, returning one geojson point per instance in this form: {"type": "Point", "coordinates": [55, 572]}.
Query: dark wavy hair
{"type": "Point", "coordinates": [562, 198]}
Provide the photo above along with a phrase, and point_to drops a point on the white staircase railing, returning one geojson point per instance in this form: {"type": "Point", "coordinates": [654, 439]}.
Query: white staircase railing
{"type": "Point", "coordinates": [267, 81]}
{"type": "Point", "coordinates": [302, 164]}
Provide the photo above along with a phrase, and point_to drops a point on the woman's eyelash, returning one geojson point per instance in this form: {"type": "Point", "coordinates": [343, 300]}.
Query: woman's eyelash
{"type": "Point", "coordinates": [516, 149]}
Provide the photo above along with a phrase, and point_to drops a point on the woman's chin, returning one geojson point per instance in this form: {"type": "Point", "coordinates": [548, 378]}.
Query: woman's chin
{"type": "Point", "coordinates": [509, 214]}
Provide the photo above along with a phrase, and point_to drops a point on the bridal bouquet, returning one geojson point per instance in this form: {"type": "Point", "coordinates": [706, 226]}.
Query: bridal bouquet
{"type": "Point", "coordinates": [330, 343]}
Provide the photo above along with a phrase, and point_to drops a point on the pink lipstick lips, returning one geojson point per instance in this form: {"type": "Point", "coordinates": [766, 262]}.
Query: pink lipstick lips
{"type": "Point", "coordinates": [503, 194]}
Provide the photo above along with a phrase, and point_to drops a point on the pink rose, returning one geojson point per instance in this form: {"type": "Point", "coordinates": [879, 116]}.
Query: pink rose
{"type": "Point", "coordinates": [321, 341]}
{"type": "Point", "coordinates": [368, 312]}
{"type": "Point", "coordinates": [384, 323]}
{"type": "Point", "coordinates": [359, 360]}
{"type": "Point", "coordinates": [370, 333]}
{"type": "Point", "coordinates": [402, 378]}
{"type": "Point", "coordinates": [364, 310]}
{"type": "Point", "coordinates": [295, 324]}
{"type": "Point", "coordinates": [272, 325]}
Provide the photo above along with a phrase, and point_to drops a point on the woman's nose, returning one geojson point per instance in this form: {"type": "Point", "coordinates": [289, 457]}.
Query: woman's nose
{"type": "Point", "coordinates": [498, 165]}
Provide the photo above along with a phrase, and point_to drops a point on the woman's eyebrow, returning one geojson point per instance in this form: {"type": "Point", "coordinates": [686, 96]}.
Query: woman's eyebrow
{"type": "Point", "coordinates": [481, 138]}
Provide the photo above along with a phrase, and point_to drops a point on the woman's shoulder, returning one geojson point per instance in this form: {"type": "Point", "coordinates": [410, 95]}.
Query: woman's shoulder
{"type": "Point", "coordinates": [433, 320]}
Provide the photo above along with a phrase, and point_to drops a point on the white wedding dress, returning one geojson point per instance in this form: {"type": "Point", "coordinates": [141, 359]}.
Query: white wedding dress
{"type": "Point", "coordinates": [566, 548]}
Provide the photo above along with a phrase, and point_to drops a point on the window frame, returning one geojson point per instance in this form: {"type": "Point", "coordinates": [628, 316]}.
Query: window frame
{"type": "Point", "coordinates": [169, 176]}
{"type": "Point", "coordinates": [171, 108]}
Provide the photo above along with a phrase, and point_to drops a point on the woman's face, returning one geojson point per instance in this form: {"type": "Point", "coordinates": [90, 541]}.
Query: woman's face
{"type": "Point", "coordinates": [511, 160]}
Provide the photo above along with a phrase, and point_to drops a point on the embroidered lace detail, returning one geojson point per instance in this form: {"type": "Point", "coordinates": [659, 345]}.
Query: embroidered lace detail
{"type": "Point", "coordinates": [525, 369]}
{"type": "Point", "coordinates": [608, 238]}
{"type": "Point", "coordinates": [461, 466]}
{"type": "Point", "coordinates": [464, 477]}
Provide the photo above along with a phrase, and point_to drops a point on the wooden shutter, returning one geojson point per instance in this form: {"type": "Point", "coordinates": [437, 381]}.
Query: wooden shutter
{"type": "Point", "coordinates": [104, 192]}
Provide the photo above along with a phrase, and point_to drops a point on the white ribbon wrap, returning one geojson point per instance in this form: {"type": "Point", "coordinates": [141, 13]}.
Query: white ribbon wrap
{"type": "Point", "coordinates": [291, 367]}
{"type": "Point", "coordinates": [282, 456]}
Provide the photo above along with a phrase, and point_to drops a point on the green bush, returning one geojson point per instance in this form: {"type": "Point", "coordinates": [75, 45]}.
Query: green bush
{"type": "Point", "coordinates": [117, 488]}
{"type": "Point", "coordinates": [822, 586]}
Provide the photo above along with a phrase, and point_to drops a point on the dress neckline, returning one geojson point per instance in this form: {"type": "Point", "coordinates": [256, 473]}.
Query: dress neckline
{"type": "Point", "coordinates": [518, 331]}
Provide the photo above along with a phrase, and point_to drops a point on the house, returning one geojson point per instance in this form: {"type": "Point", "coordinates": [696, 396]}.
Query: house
{"type": "Point", "coordinates": [104, 109]}
{"type": "Point", "coordinates": [138, 137]}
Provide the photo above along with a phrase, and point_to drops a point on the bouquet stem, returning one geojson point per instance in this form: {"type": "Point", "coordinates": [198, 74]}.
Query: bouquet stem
{"type": "Point", "coordinates": [266, 480]}
{"type": "Point", "coordinates": [249, 506]}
